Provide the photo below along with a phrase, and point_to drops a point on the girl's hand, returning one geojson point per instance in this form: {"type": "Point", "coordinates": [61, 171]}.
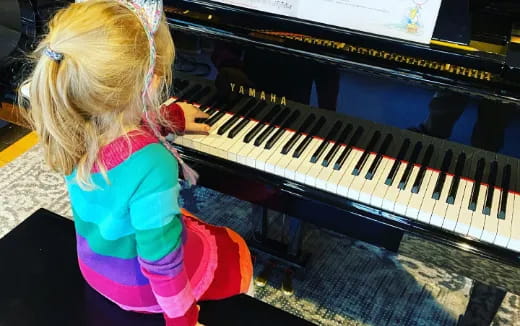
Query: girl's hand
{"type": "Point", "coordinates": [191, 113]}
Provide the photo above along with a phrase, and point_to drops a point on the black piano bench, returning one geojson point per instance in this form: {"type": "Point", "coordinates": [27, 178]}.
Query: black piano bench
{"type": "Point", "coordinates": [42, 285]}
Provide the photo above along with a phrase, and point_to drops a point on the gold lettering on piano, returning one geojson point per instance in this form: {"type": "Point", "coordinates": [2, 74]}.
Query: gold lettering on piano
{"type": "Point", "coordinates": [262, 95]}
{"type": "Point", "coordinates": [395, 57]}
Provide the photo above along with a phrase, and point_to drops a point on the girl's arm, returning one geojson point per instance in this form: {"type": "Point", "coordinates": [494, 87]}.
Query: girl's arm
{"type": "Point", "coordinates": [182, 118]}
{"type": "Point", "coordinates": [155, 217]}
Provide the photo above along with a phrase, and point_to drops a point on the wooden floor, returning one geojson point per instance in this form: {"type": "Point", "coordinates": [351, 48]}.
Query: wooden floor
{"type": "Point", "coordinates": [15, 138]}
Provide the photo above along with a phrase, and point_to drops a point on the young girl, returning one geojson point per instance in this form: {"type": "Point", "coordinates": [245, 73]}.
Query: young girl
{"type": "Point", "coordinates": [100, 64]}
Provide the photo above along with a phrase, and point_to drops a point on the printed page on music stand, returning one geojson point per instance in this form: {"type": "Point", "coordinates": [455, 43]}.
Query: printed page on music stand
{"type": "Point", "coordinates": [412, 20]}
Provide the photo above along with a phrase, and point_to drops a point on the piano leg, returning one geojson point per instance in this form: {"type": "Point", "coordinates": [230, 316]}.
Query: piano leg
{"type": "Point", "coordinates": [483, 305]}
{"type": "Point", "coordinates": [286, 248]}
{"type": "Point", "coordinates": [260, 223]}
{"type": "Point", "coordinates": [294, 235]}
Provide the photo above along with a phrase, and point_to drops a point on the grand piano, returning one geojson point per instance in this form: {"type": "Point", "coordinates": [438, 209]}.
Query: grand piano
{"type": "Point", "coordinates": [256, 73]}
{"type": "Point", "coordinates": [450, 204]}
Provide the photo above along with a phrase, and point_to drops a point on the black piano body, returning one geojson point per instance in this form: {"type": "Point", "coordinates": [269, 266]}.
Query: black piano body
{"type": "Point", "coordinates": [284, 57]}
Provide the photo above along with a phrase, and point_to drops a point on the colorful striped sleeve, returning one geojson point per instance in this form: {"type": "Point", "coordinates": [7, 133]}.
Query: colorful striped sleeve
{"type": "Point", "coordinates": [156, 218]}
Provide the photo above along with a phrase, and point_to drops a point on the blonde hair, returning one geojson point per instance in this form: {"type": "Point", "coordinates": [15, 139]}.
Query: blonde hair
{"type": "Point", "coordinates": [93, 95]}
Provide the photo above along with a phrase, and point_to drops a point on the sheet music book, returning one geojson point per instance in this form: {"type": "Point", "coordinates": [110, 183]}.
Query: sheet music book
{"type": "Point", "coordinates": [412, 20]}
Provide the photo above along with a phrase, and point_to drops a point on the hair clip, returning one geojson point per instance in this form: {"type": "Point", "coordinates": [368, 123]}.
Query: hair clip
{"type": "Point", "coordinates": [56, 56]}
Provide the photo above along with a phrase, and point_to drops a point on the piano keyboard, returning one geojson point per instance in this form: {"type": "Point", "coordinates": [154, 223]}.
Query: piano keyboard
{"type": "Point", "coordinates": [457, 188]}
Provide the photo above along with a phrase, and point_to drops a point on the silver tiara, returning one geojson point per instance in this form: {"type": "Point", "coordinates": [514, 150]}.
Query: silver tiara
{"type": "Point", "coordinates": [149, 11]}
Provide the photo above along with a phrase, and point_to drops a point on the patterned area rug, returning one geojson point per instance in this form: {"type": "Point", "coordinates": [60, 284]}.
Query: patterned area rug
{"type": "Point", "coordinates": [348, 282]}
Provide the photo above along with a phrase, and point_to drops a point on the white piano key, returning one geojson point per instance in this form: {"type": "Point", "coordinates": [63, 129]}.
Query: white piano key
{"type": "Point", "coordinates": [514, 242]}
{"type": "Point", "coordinates": [465, 214]}
{"type": "Point", "coordinates": [305, 158]}
{"type": "Point", "coordinates": [441, 206]}
{"type": "Point", "coordinates": [200, 143]}
{"type": "Point", "coordinates": [253, 151]}
{"type": "Point", "coordinates": [402, 200]}
{"type": "Point", "coordinates": [246, 154]}
{"type": "Point", "coordinates": [336, 175]}
{"type": "Point", "coordinates": [369, 185]}
{"type": "Point", "coordinates": [277, 163]}
{"type": "Point", "coordinates": [491, 224]}
{"type": "Point", "coordinates": [379, 193]}
{"type": "Point", "coordinates": [348, 166]}
{"type": "Point", "coordinates": [269, 155]}
{"type": "Point", "coordinates": [428, 203]}
{"type": "Point", "coordinates": [177, 139]}
{"type": "Point", "coordinates": [393, 191]}
{"type": "Point", "coordinates": [326, 172]}
{"type": "Point", "coordinates": [416, 200]}
{"type": "Point", "coordinates": [206, 144]}
{"type": "Point", "coordinates": [235, 147]}
{"type": "Point", "coordinates": [222, 144]}
{"type": "Point", "coordinates": [505, 225]}
{"type": "Point", "coordinates": [316, 168]}
{"type": "Point", "coordinates": [357, 184]}
{"type": "Point", "coordinates": [294, 163]}
{"type": "Point", "coordinates": [452, 211]}
{"type": "Point", "coordinates": [478, 219]}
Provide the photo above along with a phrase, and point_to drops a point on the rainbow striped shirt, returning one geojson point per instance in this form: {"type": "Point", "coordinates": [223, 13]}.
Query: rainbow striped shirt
{"type": "Point", "coordinates": [130, 231]}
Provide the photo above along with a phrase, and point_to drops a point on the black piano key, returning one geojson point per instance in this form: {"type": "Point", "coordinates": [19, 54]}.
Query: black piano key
{"type": "Point", "coordinates": [231, 121]}
{"type": "Point", "coordinates": [287, 124]}
{"type": "Point", "coordinates": [379, 157]}
{"type": "Point", "coordinates": [364, 157]}
{"type": "Point", "coordinates": [416, 187]}
{"type": "Point", "coordinates": [259, 126]}
{"type": "Point", "coordinates": [188, 94]}
{"type": "Point", "coordinates": [454, 187]}
{"type": "Point", "coordinates": [479, 172]}
{"type": "Point", "coordinates": [179, 84]}
{"type": "Point", "coordinates": [411, 162]}
{"type": "Point", "coordinates": [446, 162]}
{"type": "Point", "coordinates": [215, 117]}
{"type": "Point", "coordinates": [491, 182]}
{"type": "Point", "coordinates": [397, 163]}
{"type": "Point", "coordinates": [213, 107]}
{"type": "Point", "coordinates": [348, 148]}
{"type": "Point", "coordinates": [305, 142]}
{"type": "Point", "coordinates": [199, 95]}
{"type": "Point", "coordinates": [272, 125]}
{"type": "Point", "coordinates": [243, 122]}
{"type": "Point", "coordinates": [506, 181]}
{"type": "Point", "coordinates": [303, 128]}
{"type": "Point", "coordinates": [207, 103]}
{"type": "Point", "coordinates": [218, 114]}
{"type": "Point", "coordinates": [332, 133]}
{"type": "Point", "coordinates": [340, 140]}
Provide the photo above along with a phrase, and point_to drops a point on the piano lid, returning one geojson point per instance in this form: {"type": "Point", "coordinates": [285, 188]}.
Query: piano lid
{"type": "Point", "coordinates": [463, 57]}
